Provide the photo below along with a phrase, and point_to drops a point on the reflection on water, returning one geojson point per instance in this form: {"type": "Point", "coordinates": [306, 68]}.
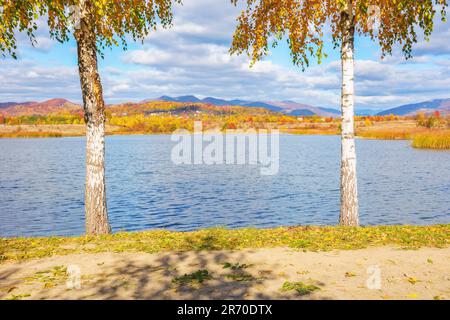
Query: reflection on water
{"type": "Point", "coordinates": [42, 185]}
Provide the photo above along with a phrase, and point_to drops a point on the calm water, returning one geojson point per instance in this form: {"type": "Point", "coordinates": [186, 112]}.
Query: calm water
{"type": "Point", "coordinates": [42, 182]}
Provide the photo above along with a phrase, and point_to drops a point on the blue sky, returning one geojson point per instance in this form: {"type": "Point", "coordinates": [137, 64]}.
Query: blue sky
{"type": "Point", "coordinates": [192, 58]}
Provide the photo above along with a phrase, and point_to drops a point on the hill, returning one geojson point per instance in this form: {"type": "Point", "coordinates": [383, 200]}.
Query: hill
{"type": "Point", "coordinates": [427, 107]}
{"type": "Point", "coordinates": [14, 109]}
{"type": "Point", "coordinates": [4, 105]}
{"type": "Point", "coordinates": [190, 103]}
{"type": "Point", "coordinates": [288, 107]}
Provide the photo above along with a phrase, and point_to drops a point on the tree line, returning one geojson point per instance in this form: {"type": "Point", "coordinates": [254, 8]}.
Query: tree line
{"type": "Point", "coordinates": [99, 24]}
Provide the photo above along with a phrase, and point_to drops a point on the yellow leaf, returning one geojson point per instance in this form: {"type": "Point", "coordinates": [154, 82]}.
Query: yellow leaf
{"type": "Point", "coordinates": [412, 280]}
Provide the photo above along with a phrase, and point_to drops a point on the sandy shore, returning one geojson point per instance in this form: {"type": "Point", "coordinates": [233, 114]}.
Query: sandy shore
{"type": "Point", "coordinates": [257, 274]}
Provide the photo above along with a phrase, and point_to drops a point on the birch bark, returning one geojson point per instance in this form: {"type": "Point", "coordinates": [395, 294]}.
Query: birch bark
{"type": "Point", "coordinates": [349, 191]}
{"type": "Point", "coordinates": [94, 115]}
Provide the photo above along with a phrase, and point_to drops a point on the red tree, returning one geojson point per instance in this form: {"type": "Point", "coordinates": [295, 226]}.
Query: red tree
{"type": "Point", "coordinates": [437, 114]}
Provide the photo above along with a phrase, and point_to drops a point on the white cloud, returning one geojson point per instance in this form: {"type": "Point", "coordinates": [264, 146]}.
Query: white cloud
{"type": "Point", "coordinates": [193, 58]}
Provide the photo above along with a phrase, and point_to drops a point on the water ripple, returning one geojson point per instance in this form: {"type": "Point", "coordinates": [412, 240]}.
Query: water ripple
{"type": "Point", "coordinates": [41, 186]}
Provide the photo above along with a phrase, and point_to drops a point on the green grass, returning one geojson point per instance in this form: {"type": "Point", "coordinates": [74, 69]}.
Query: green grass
{"type": "Point", "coordinates": [195, 278]}
{"type": "Point", "coordinates": [235, 266]}
{"type": "Point", "coordinates": [301, 288]}
{"type": "Point", "coordinates": [303, 238]}
{"type": "Point", "coordinates": [238, 272]}
{"type": "Point", "coordinates": [240, 276]}
{"type": "Point", "coordinates": [432, 141]}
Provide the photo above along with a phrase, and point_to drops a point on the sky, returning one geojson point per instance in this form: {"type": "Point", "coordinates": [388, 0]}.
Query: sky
{"type": "Point", "coordinates": [192, 58]}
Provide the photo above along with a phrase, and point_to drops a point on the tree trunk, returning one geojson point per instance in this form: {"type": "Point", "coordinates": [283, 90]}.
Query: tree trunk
{"type": "Point", "coordinates": [94, 115]}
{"type": "Point", "coordinates": [349, 191]}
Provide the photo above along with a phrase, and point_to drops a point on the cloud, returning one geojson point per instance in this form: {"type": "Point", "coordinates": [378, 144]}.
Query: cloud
{"type": "Point", "coordinates": [193, 58]}
{"type": "Point", "coordinates": [439, 43]}
{"type": "Point", "coordinates": [42, 40]}
{"type": "Point", "coordinates": [26, 81]}
{"type": "Point", "coordinates": [195, 51]}
{"type": "Point", "coordinates": [424, 50]}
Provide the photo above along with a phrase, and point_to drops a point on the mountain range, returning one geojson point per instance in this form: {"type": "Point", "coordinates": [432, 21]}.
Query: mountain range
{"type": "Point", "coordinates": [288, 107]}
{"type": "Point", "coordinates": [298, 109]}
{"type": "Point", "coordinates": [13, 109]}
{"type": "Point", "coordinates": [427, 107]}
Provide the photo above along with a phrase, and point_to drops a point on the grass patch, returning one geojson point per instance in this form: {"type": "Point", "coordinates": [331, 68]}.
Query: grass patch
{"type": "Point", "coordinates": [306, 238]}
{"type": "Point", "coordinates": [18, 296]}
{"type": "Point", "coordinates": [240, 276]}
{"type": "Point", "coordinates": [385, 134]}
{"type": "Point", "coordinates": [238, 272]}
{"type": "Point", "coordinates": [235, 266]}
{"type": "Point", "coordinates": [24, 134]}
{"type": "Point", "coordinates": [195, 278]}
{"type": "Point", "coordinates": [306, 131]}
{"type": "Point", "coordinates": [432, 141]}
{"type": "Point", "coordinates": [50, 278]}
{"type": "Point", "coordinates": [301, 288]}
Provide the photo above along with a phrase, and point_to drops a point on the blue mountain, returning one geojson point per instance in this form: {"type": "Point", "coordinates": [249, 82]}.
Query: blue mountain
{"type": "Point", "coordinates": [262, 105]}
{"type": "Point", "coordinates": [301, 112]}
{"type": "Point", "coordinates": [411, 109]}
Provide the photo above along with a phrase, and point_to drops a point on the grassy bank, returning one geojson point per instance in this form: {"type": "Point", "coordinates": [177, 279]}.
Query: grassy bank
{"type": "Point", "coordinates": [47, 131]}
{"type": "Point", "coordinates": [305, 238]}
{"type": "Point", "coordinates": [31, 135]}
{"type": "Point", "coordinates": [386, 134]}
{"type": "Point", "coordinates": [421, 138]}
{"type": "Point", "coordinates": [323, 132]}
{"type": "Point", "coordinates": [432, 141]}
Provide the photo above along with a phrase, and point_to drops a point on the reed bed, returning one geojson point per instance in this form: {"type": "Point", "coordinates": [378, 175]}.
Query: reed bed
{"type": "Point", "coordinates": [25, 134]}
{"type": "Point", "coordinates": [386, 134]}
{"type": "Point", "coordinates": [311, 131]}
{"type": "Point", "coordinates": [438, 141]}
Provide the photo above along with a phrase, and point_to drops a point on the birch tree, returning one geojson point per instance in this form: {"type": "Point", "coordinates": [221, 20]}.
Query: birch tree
{"type": "Point", "coordinates": [96, 25]}
{"type": "Point", "coordinates": [302, 23]}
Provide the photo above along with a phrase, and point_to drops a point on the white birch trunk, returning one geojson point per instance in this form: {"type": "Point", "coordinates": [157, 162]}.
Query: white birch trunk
{"type": "Point", "coordinates": [94, 115]}
{"type": "Point", "coordinates": [349, 192]}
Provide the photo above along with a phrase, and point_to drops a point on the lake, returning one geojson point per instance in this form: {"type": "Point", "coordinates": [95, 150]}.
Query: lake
{"type": "Point", "coordinates": [42, 186]}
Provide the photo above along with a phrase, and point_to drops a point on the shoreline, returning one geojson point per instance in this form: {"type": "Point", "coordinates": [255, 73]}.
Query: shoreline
{"type": "Point", "coordinates": [378, 273]}
{"type": "Point", "coordinates": [307, 238]}
{"type": "Point", "coordinates": [420, 143]}
{"type": "Point", "coordinates": [426, 139]}
{"type": "Point", "coordinates": [383, 262]}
